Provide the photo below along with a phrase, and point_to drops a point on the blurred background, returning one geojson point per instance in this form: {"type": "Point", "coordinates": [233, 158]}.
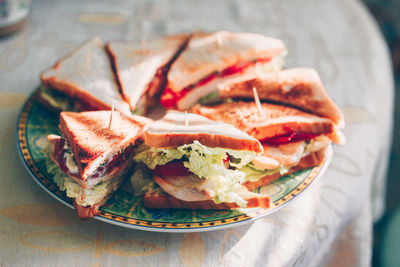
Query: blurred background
{"type": "Point", "coordinates": [387, 229]}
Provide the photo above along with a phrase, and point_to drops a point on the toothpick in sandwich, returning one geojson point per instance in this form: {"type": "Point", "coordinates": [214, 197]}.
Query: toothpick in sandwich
{"type": "Point", "coordinates": [257, 100]}
{"type": "Point", "coordinates": [111, 115]}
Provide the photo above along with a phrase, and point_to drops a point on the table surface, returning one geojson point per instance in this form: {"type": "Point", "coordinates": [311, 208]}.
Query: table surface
{"type": "Point", "coordinates": [330, 223]}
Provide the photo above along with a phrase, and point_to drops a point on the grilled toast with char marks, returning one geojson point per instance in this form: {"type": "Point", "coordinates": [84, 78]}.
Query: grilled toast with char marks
{"type": "Point", "coordinates": [275, 120]}
{"type": "Point", "coordinates": [92, 142]}
{"type": "Point", "coordinates": [299, 87]}
{"type": "Point", "coordinates": [171, 131]}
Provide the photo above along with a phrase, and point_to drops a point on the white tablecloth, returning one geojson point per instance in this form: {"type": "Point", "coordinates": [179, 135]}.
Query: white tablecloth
{"type": "Point", "coordinates": [330, 223]}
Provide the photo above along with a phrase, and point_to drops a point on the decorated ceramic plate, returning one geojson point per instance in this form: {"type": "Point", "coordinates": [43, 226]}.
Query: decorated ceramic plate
{"type": "Point", "coordinates": [124, 209]}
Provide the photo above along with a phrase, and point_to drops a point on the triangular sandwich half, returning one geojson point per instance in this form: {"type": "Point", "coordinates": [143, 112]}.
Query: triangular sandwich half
{"type": "Point", "coordinates": [211, 58]}
{"type": "Point", "coordinates": [83, 80]}
{"type": "Point", "coordinates": [93, 155]}
{"type": "Point", "coordinates": [141, 69]}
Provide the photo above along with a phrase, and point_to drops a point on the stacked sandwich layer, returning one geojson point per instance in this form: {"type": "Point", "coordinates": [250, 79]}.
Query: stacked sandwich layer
{"type": "Point", "coordinates": [93, 155]}
{"type": "Point", "coordinates": [250, 121]}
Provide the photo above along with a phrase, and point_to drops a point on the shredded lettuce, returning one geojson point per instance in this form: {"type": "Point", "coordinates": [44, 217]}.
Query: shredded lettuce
{"type": "Point", "coordinates": [205, 162]}
{"type": "Point", "coordinates": [253, 174]}
{"type": "Point", "coordinates": [210, 98]}
{"type": "Point", "coordinates": [57, 174]}
{"type": "Point", "coordinates": [152, 157]}
{"type": "Point", "coordinates": [226, 187]}
{"type": "Point", "coordinates": [84, 197]}
{"type": "Point", "coordinates": [141, 181]}
{"type": "Point", "coordinates": [57, 100]}
{"type": "Point", "coordinates": [213, 98]}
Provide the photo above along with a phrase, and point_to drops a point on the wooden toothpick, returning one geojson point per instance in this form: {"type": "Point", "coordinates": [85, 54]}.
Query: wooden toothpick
{"type": "Point", "coordinates": [111, 116]}
{"type": "Point", "coordinates": [257, 100]}
{"type": "Point", "coordinates": [186, 119]}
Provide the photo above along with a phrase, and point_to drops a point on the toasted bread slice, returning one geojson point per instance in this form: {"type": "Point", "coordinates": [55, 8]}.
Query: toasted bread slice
{"type": "Point", "coordinates": [211, 58]}
{"type": "Point", "coordinates": [210, 52]}
{"type": "Point", "coordinates": [177, 128]}
{"type": "Point", "coordinates": [92, 141]}
{"type": "Point", "coordinates": [298, 87]}
{"type": "Point", "coordinates": [141, 70]}
{"type": "Point", "coordinates": [156, 200]}
{"type": "Point", "coordinates": [86, 74]}
{"type": "Point", "coordinates": [87, 212]}
{"type": "Point", "coordinates": [275, 120]}
{"type": "Point", "coordinates": [311, 160]}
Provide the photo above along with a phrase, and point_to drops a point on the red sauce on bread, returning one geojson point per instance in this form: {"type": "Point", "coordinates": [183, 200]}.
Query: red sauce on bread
{"type": "Point", "coordinates": [290, 137]}
{"type": "Point", "coordinates": [169, 98]}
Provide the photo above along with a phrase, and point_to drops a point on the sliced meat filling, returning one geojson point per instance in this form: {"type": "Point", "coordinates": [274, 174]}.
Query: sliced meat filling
{"type": "Point", "coordinates": [180, 183]}
{"type": "Point", "coordinates": [289, 154]}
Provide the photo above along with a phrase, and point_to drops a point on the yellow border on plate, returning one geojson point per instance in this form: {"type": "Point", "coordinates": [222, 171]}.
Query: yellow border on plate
{"type": "Point", "coordinates": [147, 225]}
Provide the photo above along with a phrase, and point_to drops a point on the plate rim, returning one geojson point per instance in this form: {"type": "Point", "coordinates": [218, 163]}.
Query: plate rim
{"type": "Point", "coordinates": [165, 227]}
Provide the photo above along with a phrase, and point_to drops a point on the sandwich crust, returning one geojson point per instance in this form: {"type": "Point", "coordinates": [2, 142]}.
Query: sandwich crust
{"type": "Point", "coordinates": [87, 74]}
{"type": "Point", "coordinates": [171, 131]}
{"type": "Point", "coordinates": [210, 52]}
{"type": "Point", "coordinates": [156, 200]}
{"type": "Point", "coordinates": [298, 87]}
{"type": "Point", "coordinates": [275, 120]}
{"type": "Point", "coordinates": [141, 69]}
{"type": "Point", "coordinates": [92, 142]}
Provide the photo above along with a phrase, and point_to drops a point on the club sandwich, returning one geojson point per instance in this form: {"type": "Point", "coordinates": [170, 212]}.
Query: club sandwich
{"type": "Point", "coordinates": [141, 69]}
{"type": "Point", "coordinates": [292, 139]}
{"type": "Point", "coordinates": [82, 81]}
{"type": "Point", "coordinates": [300, 88]}
{"type": "Point", "coordinates": [92, 155]}
{"type": "Point", "coordinates": [194, 163]}
{"type": "Point", "coordinates": [211, 58]}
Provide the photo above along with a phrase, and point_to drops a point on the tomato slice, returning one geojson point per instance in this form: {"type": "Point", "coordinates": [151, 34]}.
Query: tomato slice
{"type": "Point", "coordinates": [236, 68]}
{"type": "Point", "coordinates": [173, 168]}
{"type": "Point", "coordinates": [286, 138]}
